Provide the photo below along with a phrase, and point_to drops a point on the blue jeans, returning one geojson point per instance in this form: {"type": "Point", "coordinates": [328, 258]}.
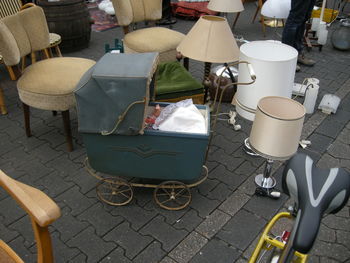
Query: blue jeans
{"type": "Point", "coordinates": [294, 28]}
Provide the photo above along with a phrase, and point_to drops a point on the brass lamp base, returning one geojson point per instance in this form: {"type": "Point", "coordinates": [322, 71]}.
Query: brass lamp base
{"type": "Point", "coordinates": [273, 23]}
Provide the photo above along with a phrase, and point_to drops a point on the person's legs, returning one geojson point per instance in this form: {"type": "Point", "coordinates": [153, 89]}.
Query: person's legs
{"type": "Point", "coordinates": [295, 24]}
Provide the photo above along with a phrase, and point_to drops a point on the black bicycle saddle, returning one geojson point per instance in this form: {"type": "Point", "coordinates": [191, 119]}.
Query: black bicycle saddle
{"type": "Point", "coordinates": [316, 191]}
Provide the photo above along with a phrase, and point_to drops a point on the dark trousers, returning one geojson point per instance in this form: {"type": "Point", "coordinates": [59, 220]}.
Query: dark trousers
{"type": "Point", "coordinates": [294, 28]}
{"type": "Point", "coordinates": [166, 12]}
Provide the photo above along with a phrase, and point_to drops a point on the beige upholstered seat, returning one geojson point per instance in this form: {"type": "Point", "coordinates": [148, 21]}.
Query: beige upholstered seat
{"type": "Point", "coordinates": [42, 211]}
{"type": "Point", "coordinates": [49, 83]}
{"type": "Point", "coordinates": [152, 39]}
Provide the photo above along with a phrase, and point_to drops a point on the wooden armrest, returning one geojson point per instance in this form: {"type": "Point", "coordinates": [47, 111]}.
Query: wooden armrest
{"type": "Point", "coordinates": [35, 202]}
{"type": "Point", "coordinates": [8, 255]}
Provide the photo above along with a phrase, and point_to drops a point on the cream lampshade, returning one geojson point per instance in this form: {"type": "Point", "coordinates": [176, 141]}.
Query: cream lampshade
{"type": "Point", "coordinates": [226, 6]}
{"type": "Point", "coordinates": [210, 40]}
{"type": "Point", "coordinates": [275, 133]}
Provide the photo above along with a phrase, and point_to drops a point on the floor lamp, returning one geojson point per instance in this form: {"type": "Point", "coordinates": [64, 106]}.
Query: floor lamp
{"type": "Point", "coordinates": [275, 135]}
{"type": "Point", "coordinates": [210, 40]}
{"type": "Point", "coordinates": [226, 6]}
{"type": "Point", "coordinates": [276, 9]}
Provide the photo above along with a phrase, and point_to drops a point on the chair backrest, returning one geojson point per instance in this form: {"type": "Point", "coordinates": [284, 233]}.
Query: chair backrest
{"type": "Point", "coordinates": [42, 211]}
{"type": "Point", "coordinates": [131, 11]}
{"type": "Point", "coordinates": [23, 33]}
{"type": "Point", "coordinates": [9, 7]}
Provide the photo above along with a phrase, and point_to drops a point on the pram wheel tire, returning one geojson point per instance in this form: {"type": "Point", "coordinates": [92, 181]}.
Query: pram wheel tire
{"type": "Point", "coordinates": [115, 192]}
{"type": "Point", "coordinates": [172, 195]}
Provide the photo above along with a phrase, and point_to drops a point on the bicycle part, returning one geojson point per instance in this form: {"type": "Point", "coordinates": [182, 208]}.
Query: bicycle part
{"type": "Point", "coordinates": [116, 192]}
{"type": "Point", "coordinates": [172, 195]}
{"type": "Point", "coordinates": [316, 191]}
{"type": "Point", "coordinates": [268, 242]}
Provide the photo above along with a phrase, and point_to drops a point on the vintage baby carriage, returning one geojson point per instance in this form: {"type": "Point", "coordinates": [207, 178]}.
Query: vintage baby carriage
{"type": "Point", "coordinates": [113, 99]}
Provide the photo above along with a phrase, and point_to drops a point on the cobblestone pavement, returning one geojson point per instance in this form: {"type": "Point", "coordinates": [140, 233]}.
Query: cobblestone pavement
{"type": "Point", "coordinates": [224, 219]}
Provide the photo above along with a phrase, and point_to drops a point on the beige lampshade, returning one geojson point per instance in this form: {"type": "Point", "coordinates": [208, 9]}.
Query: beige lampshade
{"type": "Point", "coordinates": [210, 40]}
{"type": "Point", "coordinates": [277, 127]}
{"type": "Point", "coordinates": [226, 6]}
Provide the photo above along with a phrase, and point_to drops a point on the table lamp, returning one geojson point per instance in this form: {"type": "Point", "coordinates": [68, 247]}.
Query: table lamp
{"type": "Point", "coordinates": [276, 9]}
{"type": "Point", "coordinates": [275, 135]}
{"type": "Point", "coordinates": [227, 6]}
{"type": "Point", "coordinates": [211, 41]}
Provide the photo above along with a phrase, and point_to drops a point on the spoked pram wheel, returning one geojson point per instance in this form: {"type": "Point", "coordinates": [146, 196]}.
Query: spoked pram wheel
{"type": "Point", "coordinates": [172, 195]}
{"type": "Point", "coordinates": [113, 191]}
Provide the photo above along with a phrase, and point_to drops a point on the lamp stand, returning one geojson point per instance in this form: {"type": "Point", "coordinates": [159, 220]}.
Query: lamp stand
{"type": "Point", "coordinates": [247, 149]}
{"type": "Point", "coordinates": [265, 182]}
{"type": "Point", "coordinates": [206, 81]}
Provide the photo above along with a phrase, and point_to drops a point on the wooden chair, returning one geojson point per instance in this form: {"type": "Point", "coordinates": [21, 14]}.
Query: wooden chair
{"type": "Point", "coordinates": [11, 7]}
{"type": "Point", "coordinates": [151, 39]}
{"type": "Point", "coordinates": [42, 211]}
{"type": "Point", "coordinates": [47, 84]}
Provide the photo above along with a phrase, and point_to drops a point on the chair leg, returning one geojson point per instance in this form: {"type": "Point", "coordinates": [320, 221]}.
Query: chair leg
{"type": "Point", "coordinates": [3, 109]}
{"type": "Point", "coordinates": [26, 112]}
{"type": "Point", "coordinates": [11, 72]}
{"type": "Point", "coordinates": [235, 22]}
{"type": "Point", "coordinates": [54, 113]}
{"type": "Point", "coordinates": [67, 129]}
{"type": "Point", "coordinates": [58, 51]}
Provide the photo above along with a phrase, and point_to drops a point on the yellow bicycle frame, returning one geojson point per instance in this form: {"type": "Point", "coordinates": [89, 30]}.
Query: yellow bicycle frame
{"type": "Point", "coordinates": [266, 242]}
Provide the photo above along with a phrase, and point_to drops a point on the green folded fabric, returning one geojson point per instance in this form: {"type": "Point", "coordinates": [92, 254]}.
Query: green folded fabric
{"type": "Point", "coordinates": [173, 80]}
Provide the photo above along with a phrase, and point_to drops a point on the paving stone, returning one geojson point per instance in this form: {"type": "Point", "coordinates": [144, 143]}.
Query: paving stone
{"type": "Point", "coordinates": [327, 161]}
{"type": "Point", "coordinates": [341, 116]}
{"type": "Point", "coordinates": [226, 145]}
{"type": "Point", "coordinates": [233, 180]}
{"type": "Point", "coordinates": [7, 234]}
{"type": "Point", "coordinates": [83, 180]}
{"type": "Point", "coordinates": [189, 221]}
{"type": "Point", "coordinates": [131, 241]}
{"type": "Point", "coordinates": [230, 162]}
{"type": "Point", "coordinates": [167, 235]}
{"type": "Point", "coordinates": [168, 260]}
{"type": "Point", "coordinates": [117, 255]}
{"type": "Point", "coordinates": [220, 192]}
{"type": "Point", "coordinates": [334, 222]}
{"type": "Point", "coordinates": [213, 223]}
{"type": "Point", "coordinates": [235, 202]}
{"type": "Point", "coordinates": [80, 258]}
{"type": "Point", "coordinates": [45, 153]}
{"type": "Point", "coordinates": [339, 150]}
{"type": "Point", "coordinates": [26, 233]}
{"type": "Point", "coordinates": [188, 247]}
{"type": "Point", "coordinates": [54, 184]}
{"type": "Point", "coordinates": [203, 205]}
{"type": "Point", "coordinates": [129, 211]}
{"type": "Point", "coordinates": [64, 165]}
{"type": "Point", "coordinates": [326, 234]}
{"type": "Point", "coordinates": [330, 128]}
{"type": "Point", "coordinates": [216, 251]}
{"type": "Point", "coordinates": [264, 207]}
{"type": "Point", "coordinates": [331, 250]}
{"type": "Point", "coordinates": [75, 200]}
{"type": "Point", "coordinates": [319, 143]}
{"type": "Point", "coordinates": [19, 158]}
{"type": "Point", "coordinates": [25, 254]}
{"type": "Point", "coordinates": [101, 220]}
{"type": "Point", "coordinates": [95, 248]}
{"type": "Point", "coordinates": [241, 230]}
{"type": "Point", "coordinates": [152, 254]}
{"type": "Point", "coordinates": [61, 252]}
{"type": "Point", "coordinates": [13, 211]}
{"type": "Point", "coordinates": [208, 185]}
{"type": "Point", "coordinates": [69, 226]}
{"type": "Point", "coordinates": [343, 237]}
{"type": "Point", "coordinates": [245, 169]}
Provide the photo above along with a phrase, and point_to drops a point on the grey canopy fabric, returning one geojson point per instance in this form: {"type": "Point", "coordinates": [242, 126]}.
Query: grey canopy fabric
{"type": "Point", "coordinates": [112, 96]}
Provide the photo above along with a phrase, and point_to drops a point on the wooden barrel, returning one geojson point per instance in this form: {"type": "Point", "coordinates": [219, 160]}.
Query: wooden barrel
{"type": "Point", "coordinates": [71, 20]}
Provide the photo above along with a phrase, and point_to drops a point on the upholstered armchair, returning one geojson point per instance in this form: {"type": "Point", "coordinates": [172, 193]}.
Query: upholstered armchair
{"type": "Point", "coordinates": [42, 211]}
{"type": "Point", "coordinates": [151, 39]}
{"type": "Point", "coordinates": [47, 84]}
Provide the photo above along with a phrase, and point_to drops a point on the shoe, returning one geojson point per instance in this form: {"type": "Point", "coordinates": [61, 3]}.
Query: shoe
{"type": "Point", "coordinates": [297, 68]}
{"type": "Point", "coordinates": [166, 21]}
{"type": "Point", "coordinates": [305, 61]}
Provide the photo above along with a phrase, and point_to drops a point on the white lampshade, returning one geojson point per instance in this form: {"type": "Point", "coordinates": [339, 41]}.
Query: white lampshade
{"type": "Point", "coordinates": [276, 8]}
{"type": "Point", "coordinates": [277, 127]}
{"type": "Point", "coordinates": [226, 6]}
{"type": "Point", "coordinates": [210, 40]}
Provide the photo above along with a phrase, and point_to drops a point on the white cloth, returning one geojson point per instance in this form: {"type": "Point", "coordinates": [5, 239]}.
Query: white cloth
{"type": "Point", "coordinates": [181, 117]}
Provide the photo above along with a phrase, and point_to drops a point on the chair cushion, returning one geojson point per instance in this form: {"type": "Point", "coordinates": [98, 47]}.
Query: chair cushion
{"type": "Point", "coordinates": [173, 80]}
{"type": "Point", "coordinates": [153, 39]}
{"type": "Point", "coordinates": [49, 84]}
